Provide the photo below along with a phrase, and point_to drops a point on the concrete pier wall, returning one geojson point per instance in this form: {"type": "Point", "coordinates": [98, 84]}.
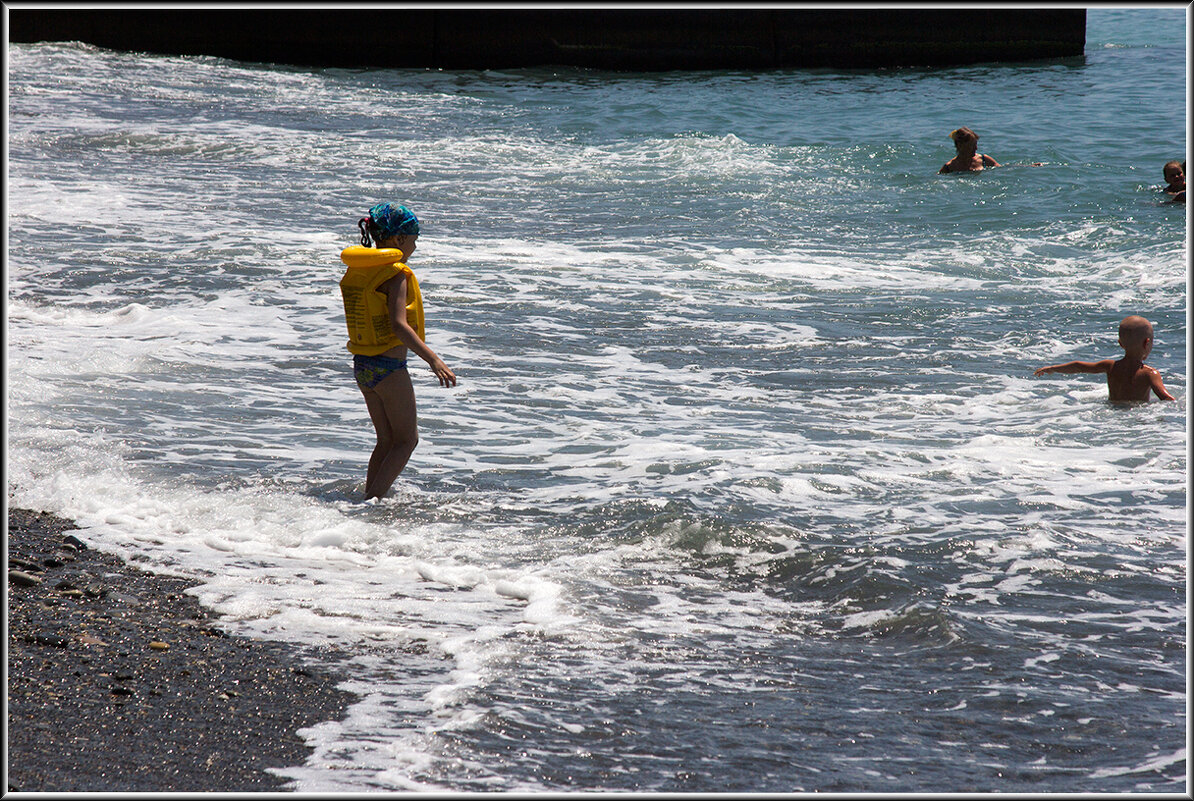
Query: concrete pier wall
{"type": "Point", "coordinates": [613, 39]}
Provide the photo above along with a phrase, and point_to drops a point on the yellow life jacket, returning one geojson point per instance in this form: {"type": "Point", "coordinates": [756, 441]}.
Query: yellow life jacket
{"type": "Point", "coordinates": [365, 309]}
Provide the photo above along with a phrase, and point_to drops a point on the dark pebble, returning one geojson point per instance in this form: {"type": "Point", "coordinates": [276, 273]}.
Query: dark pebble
{"type": "Point", "coordinates": [52, 640]}
{"type": "Point", "coordinates": [71, 539]}
{"type": "Point", "coordinates": [21, 579]}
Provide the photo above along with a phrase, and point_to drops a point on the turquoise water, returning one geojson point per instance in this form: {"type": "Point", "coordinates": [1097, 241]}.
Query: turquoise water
{"type": "Point", "coordinates": [747, 484]}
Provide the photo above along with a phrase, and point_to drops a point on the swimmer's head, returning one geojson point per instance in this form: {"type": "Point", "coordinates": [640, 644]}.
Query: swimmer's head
{"type": "Point", "coordinates": [963, 136]}
{"type": "Point", "coordinates": [1174, 170]}
{"type": "Point", "coordinates": [387, 220]}
{"type": "Point", "coordinates": [1135, 332]}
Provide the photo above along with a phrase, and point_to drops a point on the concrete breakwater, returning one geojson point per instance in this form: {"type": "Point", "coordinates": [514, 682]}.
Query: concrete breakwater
{"type": "Point", "coordinates": [613, 39]}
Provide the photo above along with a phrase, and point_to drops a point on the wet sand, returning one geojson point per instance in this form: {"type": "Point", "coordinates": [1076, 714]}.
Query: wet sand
{"type": "Point", "coordinates": [118, 681]}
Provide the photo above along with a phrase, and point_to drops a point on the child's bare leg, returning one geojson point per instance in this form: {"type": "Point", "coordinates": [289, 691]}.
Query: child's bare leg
{"type": "Point", "coordinates": [391, 406]}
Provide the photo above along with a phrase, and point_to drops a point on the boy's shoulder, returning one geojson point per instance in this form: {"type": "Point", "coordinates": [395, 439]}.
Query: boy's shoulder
{"type": "Point", "coordinates": [1135, 365]}
{"type": "Point", "coordinates": [1135, 371]}
{"type": "Point", "coordinates": [1148, 369]}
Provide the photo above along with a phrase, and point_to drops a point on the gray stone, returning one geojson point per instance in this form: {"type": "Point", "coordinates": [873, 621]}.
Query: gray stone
{"type": "Point", "coordinates": [22, 579]}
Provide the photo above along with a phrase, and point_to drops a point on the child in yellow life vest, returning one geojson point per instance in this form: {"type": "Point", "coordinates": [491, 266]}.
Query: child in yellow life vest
{"type": "Point", "coordinates": [384, 312]}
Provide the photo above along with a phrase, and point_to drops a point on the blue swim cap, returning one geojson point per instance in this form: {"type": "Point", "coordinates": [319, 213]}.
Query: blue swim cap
{"type": "Point", "coordinates": [394, 220]}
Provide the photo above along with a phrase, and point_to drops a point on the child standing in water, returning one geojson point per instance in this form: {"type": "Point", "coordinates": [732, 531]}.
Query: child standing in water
{"type": "Point", "coordinates": [384, 312]}
{"type": "Point", "coordinates": [1128, 379]}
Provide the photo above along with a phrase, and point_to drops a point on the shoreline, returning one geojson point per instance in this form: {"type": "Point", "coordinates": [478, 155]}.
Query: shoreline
{"type": "Point", "coordinates": [119, 681]}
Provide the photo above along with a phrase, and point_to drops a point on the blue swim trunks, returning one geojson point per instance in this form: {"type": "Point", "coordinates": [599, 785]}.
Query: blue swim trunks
{"type": "Point", "coordinates": [372, 370]}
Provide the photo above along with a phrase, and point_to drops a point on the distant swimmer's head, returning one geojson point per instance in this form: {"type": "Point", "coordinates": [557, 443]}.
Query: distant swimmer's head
{"type": "Point", "coordinates": [964, 137]}
{"type": "Point", "coordinates": [387, 221]}
{"type": "Point", "coordinates": [1175, 171]}
{"type": "Point", "coordinates": [1135, 332]}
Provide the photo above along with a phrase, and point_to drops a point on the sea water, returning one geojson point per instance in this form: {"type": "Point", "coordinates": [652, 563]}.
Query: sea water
{"type": "Point", "coordinates": [746, 485]}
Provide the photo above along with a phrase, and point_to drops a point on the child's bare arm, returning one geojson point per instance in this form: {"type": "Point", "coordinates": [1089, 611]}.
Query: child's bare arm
{"type": "Point", "coordinates": [990, 162]}
{"type": "Point", "coordinates": [396, 300]}
{"type": "Point", "coordinates": [1103, 366]}
{"type": "Point", "coordinates": [1154, 381]}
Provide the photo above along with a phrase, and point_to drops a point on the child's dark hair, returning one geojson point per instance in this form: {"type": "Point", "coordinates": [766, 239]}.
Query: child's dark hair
{"type": "Point", "coordinates": [369, 231]}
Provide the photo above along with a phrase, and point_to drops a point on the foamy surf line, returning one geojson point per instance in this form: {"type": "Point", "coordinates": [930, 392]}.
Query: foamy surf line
{"type": "Point", "coordinates": [289, 567]}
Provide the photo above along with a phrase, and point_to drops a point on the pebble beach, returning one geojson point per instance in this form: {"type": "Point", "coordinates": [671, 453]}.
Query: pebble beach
{"type": "Point", "coordinates": [119, 681]}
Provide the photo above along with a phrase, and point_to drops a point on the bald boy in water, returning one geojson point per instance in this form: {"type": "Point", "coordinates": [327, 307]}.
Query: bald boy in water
{"type": "Point", "coordinates": [1128, 379]}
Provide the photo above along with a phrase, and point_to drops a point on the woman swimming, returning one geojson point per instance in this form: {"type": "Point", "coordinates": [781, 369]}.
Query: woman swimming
{"type": "Point", "coordinates": [968, 159]}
